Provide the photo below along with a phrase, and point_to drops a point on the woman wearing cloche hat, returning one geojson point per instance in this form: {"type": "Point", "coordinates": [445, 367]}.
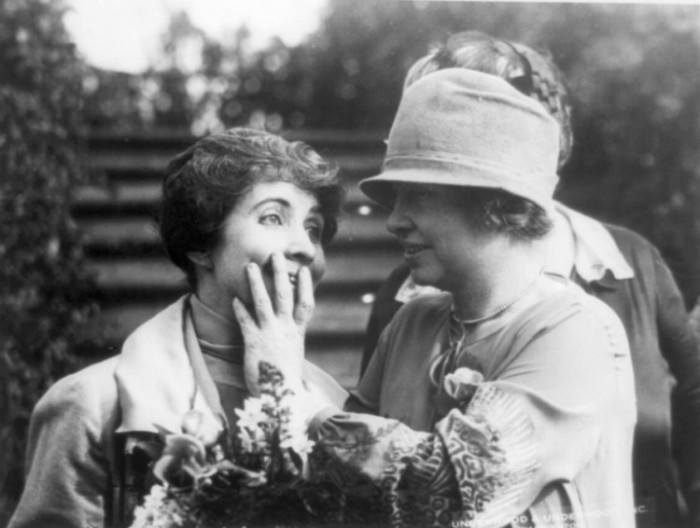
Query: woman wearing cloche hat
{"type": "Point", "coordinates": [509, 399]}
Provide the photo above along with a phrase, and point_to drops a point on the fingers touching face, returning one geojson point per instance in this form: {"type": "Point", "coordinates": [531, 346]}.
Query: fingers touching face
{"type": "Point", "coordinates": [291, 295]}
{"type": "Point", "coordinates": [277, 227]}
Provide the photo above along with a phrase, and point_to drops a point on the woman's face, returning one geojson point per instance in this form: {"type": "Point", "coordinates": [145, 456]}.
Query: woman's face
{"type": "Point", "coordinates": [271, 217]}
{"type": "Point", "coordinates": [441, 245]}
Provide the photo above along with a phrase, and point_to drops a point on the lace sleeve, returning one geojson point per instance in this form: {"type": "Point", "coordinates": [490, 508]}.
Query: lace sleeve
{"type": "Point", "coordinates": [472, 468]}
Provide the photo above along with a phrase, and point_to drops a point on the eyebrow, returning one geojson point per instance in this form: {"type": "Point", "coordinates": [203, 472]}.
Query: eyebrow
{"type": "Point", "coordinates": [265, 201]}
{"type": "Point", "coordinates": [316, 209]}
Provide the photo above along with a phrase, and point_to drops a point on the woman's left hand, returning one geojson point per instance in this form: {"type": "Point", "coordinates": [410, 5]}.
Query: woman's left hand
{"type": "Point", "coordinates": [276, 329]}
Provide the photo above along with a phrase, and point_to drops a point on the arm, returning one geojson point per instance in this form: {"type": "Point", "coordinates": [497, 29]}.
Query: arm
{"type": "Point", "coordinates": [67, 469]}
{"type": "Point", "coordinates": [461, 465]}
{"type": "Point", "coordinates": [681, 349]}
{"type": "Point", "coordinates": [539, 422]}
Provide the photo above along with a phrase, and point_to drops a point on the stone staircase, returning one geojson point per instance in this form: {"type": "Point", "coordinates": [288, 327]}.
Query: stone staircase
{"type": "Point", "coordinates": [135, 278]}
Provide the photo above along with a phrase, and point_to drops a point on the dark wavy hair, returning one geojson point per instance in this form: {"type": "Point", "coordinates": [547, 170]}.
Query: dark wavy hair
{"type": "Point", "coordinates": [534, 74]}
{"type": "Point", "coordinates": [202, 185]}
{"type": "Point", "coordinates": [493, 210]}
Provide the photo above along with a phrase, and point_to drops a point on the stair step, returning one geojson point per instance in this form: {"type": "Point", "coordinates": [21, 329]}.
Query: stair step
{"type": "Point", "coordinates": [128, 164]}
{"type": "Point", "coordinates": [343, 269]}
{"type": "Point", "coordinates": [143, 196]}
{"type": "Point", "coordinates": [169, 139]}
{"type": "Point", "coordinates": [125, 234]}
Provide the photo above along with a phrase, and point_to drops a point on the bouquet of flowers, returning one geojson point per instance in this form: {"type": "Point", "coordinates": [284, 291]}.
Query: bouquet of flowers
{"type": "Point", "coordinates": [267, 474]}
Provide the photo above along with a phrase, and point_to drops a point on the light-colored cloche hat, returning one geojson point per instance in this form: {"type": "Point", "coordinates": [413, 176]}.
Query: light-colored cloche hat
{"type": "Point", "coordinates": [466, 128]}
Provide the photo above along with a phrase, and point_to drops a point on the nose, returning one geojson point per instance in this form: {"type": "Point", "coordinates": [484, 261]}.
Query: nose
{"type": "Point", "coordinates": [300, 247]}
{"type": "Point", "coordinates": [399, 221]}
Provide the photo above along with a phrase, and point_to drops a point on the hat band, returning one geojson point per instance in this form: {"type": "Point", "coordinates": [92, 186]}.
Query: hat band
{"type": "Point", "coordinates": [468, 171]}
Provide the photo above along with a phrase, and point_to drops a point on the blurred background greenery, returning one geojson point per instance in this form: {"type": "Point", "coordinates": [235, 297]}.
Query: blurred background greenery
{"type": "Point", "coordinates": [634, 71]}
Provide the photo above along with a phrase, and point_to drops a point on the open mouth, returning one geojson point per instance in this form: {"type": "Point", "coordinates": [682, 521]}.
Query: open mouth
{"type": "Point", "coordinates": [291, 275]}
{"type": "Point", "coordinates": [413, 249]}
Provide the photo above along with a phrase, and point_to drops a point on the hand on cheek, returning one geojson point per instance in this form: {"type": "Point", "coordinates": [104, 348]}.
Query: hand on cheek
{"type": "Point", "coordinates": [275, 330]}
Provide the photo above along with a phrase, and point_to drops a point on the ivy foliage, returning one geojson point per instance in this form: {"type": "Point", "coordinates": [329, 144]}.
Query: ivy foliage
{"type": "Point", "coordinates": [43, 284]}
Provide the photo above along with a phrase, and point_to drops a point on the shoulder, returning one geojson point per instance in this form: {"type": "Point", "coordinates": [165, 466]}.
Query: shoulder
{"type": "Point", "coordinates": [570, 331]}
{"type": "Point", "coordinates": [90, 395]}
{"type": "Point", "coordinates": [631, 243]}
{"type": "Point", "coordinates": [652, 273]}
{"type": "Point", "coordinates": [94, 381]}
{"type": "Point", "coordinates": [416, 322]}
{"type": "Point", "coordinates": [69, 449]}
{"type": "Point", "coordinates": [623, 237]}
{"type": "Point", "coordinates": [582, 304]}
{"type": "Point", "coordinates": [570, 306]}
{"type": "Point", "coordinates": [639, 252]}
{"type": "Point", "coordinates": [595, 311]}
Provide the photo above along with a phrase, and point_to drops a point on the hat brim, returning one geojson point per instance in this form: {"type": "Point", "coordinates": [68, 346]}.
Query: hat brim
{"type": "Point", "coordinates": [381, 188]}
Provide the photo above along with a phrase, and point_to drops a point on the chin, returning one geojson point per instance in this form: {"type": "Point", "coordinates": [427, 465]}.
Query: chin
{"type": "Point", "coordinates": [422, 279]}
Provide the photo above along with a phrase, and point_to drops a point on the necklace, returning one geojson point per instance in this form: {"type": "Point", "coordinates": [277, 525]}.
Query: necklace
{"type": "Point", "coordinates": [502, 308]}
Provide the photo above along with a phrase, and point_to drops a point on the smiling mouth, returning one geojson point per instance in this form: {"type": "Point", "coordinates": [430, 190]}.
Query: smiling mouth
{"type": "Point", "coordinates": [413, 249]}
{"type": "Point", "coordinates": [292, 276]}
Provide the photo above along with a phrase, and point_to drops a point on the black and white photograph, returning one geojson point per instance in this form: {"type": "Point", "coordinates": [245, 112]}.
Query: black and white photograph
{"type": "Point", "coordinates": [363, 263]}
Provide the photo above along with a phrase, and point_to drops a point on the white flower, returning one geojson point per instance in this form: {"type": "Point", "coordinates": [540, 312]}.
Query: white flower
{"type": "Point", "coordinates": [293, 432]}
{"type": "Point", "coordinates": [203, 426]}
{"type": "Point", "coordinates": [182, 453]}
{"type": "Point", "coordinates": [466, 375]}
{"type": "Point", "coordinates": [462, 383]}
{"type": "Point", "coordinates": [250, 418]}
{"type": "Point", "coordinates": [268, 403]}
{"type": "Point", "coordinates": [159, 511]}
{"type": "Point", "coordinates": [251, 414]}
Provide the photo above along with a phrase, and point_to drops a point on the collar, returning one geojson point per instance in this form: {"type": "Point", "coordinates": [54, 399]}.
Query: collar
{"type": "Point", "coordinates": [161, 374]}
{"type": "Point", "coordinates": [596, 252]}
{"type": "Point", "coordinates": [410, 290]}
{"type": "Point", "coordinates": [212, 327]}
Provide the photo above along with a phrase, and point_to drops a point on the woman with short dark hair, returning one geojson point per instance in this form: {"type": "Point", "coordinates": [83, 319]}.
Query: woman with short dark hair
{"type": "Point", "coordinates": [235, 204]}
{"type": "Point", "coordinates": [202, 184]}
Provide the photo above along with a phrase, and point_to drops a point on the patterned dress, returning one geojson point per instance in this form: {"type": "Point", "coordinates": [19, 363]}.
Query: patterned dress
{"type": "Point", "coordinates": [526, 420]}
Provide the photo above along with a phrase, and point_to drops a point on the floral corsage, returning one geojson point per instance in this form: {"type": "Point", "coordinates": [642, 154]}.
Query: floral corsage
{"type": "Point", "coordinates": [258, 477]}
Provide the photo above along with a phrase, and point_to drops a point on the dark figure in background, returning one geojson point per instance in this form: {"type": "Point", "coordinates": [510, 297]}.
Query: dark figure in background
{"type": "Point", "coordinates": [614, 264]}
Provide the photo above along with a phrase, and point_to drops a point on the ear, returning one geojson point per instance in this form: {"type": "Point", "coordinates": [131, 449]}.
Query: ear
{"type": "Point", "coordinates": [201, 258]}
